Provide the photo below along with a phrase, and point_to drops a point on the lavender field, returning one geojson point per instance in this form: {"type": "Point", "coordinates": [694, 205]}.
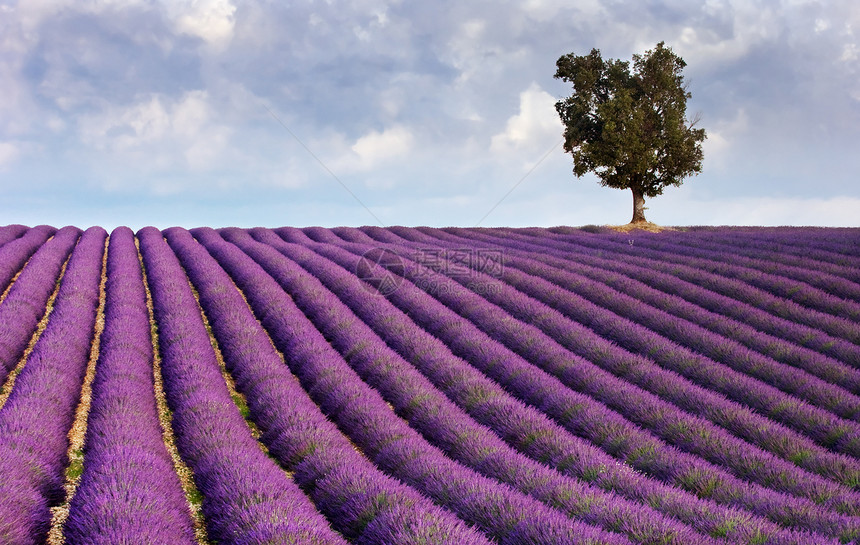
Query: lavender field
{"type": "Point", "coordinates": [429, 386]}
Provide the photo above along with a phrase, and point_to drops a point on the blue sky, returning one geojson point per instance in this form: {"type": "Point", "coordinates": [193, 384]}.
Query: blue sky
{"type": "Point", "coordinates": [224, 112]}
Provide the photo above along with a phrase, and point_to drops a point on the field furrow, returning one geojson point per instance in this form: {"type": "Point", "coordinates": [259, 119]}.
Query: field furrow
{"type": "Point", "coordinates": [735, 288]}
{"type": "Point", "coordinates": [700, 293]}
{"type": "Point", "coordinates": [247, 497]}
{"type": "Point", "coordinates": [446, 424]}
{"type": "Point", "coordinates": [298, 435]}
{"type": "Point", "coordinates": [499, 510]}
{"type": "Point", "coordinates": [813, 291]}
{"type": "Point", "coordinates": [128, 488]}
{"type": "Point", "coordinates": [8, 233]}
{"type": "Point", "coordinates": [570, 273]}
{"type": "Point", "coordinates": [656, 411]}
{"type": "Point", "coordinates": [26, 302]}
{"type": "Point", "coordinates": [407, 386]}
{"type": "Point", "coordinates": [656, 335]}
{"type": "Point", "coordinates": [15, 254]}
{"type": "Point", "coordinates": [521, 426]}
{"type": "Point", "coordinates": [37, 417]}
{"type": "Point", "coordinates": [812, 267]}
{"type": "Point", "coordinates": [615, 435]}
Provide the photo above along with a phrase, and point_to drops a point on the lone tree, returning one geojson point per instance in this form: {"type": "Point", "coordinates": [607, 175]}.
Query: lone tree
{"type": "Point", "coordinates": [630, 128]}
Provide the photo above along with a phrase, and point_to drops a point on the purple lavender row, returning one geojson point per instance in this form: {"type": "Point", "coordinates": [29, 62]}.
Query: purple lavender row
{"type": "Point", "coordinates": [444, 423]}
{"type": "Point", "coordinates": [776, 260]}
{"type": "Point", "coordinates": [8, 233]}
{"type": "Point", "coordinates": [501, 512]}
{"type": "Point", "coordinates": [293, 427]}
{"type": "Point", "coordinates": [579, 328]}
{"type": "Point", "coordinates": [691, 291]}
{"type": "Point", "coordinates": [822, 332]}
{"type": "Point", "coordinates": [584, 416]}
{"type": "Point", "coordinates": [829, 294]}
{"type": "Point", "coordinates": [129, 490]}
{"type": "Point", "coordinates": [799, 248]}
{"type": "Point", "coordinates": [25, 304]}
{"type": "Point", "coordinates": [588, 417]}
{"type": "Point", "coordinates": [522, 427]}
{"type": "Point", "coordinates": [247, 497]}
{"type": "Point", "coordinates": [824, 367]}
{"type": "Point", "coordinates": [40, 410]}
{"type": "Point", "coordinates": [638, 328]}
{"type": "Point", "coordinates": [622, 279]}
{"type": "Point", "coordinates": [413, 461]}
{"type": "Point", "coordinates": [764, 252]}
{"type": "Point", "coordinates": [688, 432]}
{"type": "Point", "coordinates": [810, 238]}
{"type": "Point", "coordinates": [696, 271]}
{"type": "Point", "coordinates": [841, 242]}
{"type": "Point", "coordinates": [15, 254]}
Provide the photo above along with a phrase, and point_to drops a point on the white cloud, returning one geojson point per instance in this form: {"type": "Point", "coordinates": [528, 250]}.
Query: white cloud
{"type": "Point", "coordinates": [158, 132]}
{"type": "Point", "coordinates": [211, 20]}
{"type": "Point", "coordinates": [191, 113]}
{"type": "Point", "coordinates": [16, 103]}
{"type": "Point", "coordinates": [366, 33]}
{"type": "Point", "coordinates": [33, 12]}
{"type": "Point", "coordinates": [467, 50]}
{"type": "Point", "coordinates": [751, 25]}
{"type": "Point", "coordinates": [480, 53]}
{"type": "Point", "coordinates": [126, 128]}
{"type": "Point", "coordinates": [375, 148]}
{"type": "Point", "coordinates": [533, 128]}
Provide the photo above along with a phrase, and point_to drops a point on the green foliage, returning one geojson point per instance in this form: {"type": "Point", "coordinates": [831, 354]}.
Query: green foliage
{"type": "Point", "coordinates": [76, 467]}
{"type": "Point", "coordinates": [627, 126]}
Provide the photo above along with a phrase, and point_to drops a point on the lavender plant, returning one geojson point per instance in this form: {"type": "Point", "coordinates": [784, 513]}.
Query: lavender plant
{"type": "Point", "coordinates": [360, 411]}
{"type": "Point", "coordinates": [438, 419]}
{"type": "Point", "coordinates": [626, 399]}
{"type": "Point", "coordinates": [522, 427]}
{"type": "Point", "coordinates": [8, 233]}
{"type": "Point", "coordinates": [686, 268]}
{"type": "Point", "coordinates": [625, 321]}
{"type": "Point", "coordinates": [15, 253]}
{"type": "Point", "coordinates": [24, 306]}
{"type": "Point", "coordinates": [35, 421]}
{"type": "Point", "coordinates": [247, 497]}
{"type": "Point", "coordinates": [129, 490]}
{"type": "Point", "coordinates": [296, 432]}
{"type": "Point", "coordinates": [821, 425]}
{"type": "Point", "coordinates": [692, 291]}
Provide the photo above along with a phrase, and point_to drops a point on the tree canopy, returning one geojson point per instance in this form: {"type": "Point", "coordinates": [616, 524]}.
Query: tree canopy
{"type": "Point", "coordinates": [627, 126]}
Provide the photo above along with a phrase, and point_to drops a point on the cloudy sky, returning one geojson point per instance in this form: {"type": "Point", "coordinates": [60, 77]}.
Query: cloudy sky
{"type": "Point", "coordinates": [226, 112]}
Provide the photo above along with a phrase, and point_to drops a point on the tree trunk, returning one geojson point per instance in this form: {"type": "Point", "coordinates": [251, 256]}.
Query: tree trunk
{"type": "Point", "coordinates": [638, 206]}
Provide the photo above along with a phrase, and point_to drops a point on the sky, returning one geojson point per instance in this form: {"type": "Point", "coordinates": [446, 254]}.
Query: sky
{"type": "Point", "coordinates": [373, 112]}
